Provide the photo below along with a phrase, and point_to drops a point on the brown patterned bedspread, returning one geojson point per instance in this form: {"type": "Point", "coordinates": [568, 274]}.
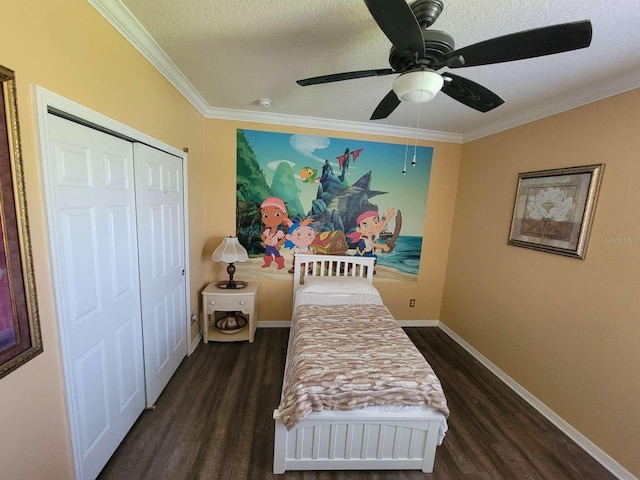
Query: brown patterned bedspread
{"type": "Point", "coordinates": [344, 357]}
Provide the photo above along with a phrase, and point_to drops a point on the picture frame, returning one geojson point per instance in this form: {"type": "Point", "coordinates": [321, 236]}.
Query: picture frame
{"type": "Point", "coordinates": [20, 337]}
{"type": "Point", "coordinates": [553, 209]}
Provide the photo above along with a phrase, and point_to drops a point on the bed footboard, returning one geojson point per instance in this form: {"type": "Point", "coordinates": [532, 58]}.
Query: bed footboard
{"type": "Point", "coordinates": [354, 440]}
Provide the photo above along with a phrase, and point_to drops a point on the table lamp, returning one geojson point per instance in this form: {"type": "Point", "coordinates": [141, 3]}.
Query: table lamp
{"type": "Point", "coordinates": [230, 251]}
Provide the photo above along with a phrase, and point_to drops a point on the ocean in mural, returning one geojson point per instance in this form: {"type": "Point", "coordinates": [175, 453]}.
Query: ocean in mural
{"type": "Point", "coordinates": [300, 193]}
{"type": "Point", "coordinates": [405, 257]}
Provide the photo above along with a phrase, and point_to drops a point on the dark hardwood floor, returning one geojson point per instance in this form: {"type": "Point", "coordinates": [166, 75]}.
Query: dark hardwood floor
{"type": "Point", "coordinates": [214, 421]}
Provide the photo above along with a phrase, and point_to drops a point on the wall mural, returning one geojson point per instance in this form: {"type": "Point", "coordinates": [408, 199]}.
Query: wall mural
{"type": "Point", "coordinates": [303, 193]}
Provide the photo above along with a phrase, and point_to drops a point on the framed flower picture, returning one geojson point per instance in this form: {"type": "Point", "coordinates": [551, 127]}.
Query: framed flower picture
{"type": "Point", "coordinates": [554, 209]}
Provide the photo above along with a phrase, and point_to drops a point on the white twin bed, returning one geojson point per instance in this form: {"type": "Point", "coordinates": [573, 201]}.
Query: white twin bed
{"type": "Point", "coordinates": [357, 394]}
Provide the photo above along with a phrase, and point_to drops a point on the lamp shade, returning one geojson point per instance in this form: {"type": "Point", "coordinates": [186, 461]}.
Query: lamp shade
{"type": "Point", "coordinates": [418, 87]}
{"type": "Point", "coordinates": [230, 251]}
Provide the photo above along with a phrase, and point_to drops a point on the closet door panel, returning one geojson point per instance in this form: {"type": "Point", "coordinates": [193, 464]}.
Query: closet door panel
{"type": "Point", "coordinates": [78, 233]}
{"type": "Point", "coordinates": [161, 225]}
{"type": "Point", "coordinates": [122, 254]}
{"type": "Point", "coordinates": [91, 208]}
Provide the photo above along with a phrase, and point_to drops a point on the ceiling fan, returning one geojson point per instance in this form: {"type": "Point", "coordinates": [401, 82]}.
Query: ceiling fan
{"type": "Point", "coordinates": [417, 54]}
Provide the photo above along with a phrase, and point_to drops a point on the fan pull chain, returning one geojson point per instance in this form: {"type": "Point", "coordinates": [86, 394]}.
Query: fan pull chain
{"type": "Point", "coordinates": [415, 143]}
{"type": "Point", "coordinates": [406, 148]}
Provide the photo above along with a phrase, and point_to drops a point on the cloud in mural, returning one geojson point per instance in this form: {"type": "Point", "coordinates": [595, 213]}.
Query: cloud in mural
{"type": "Point", "coordinates": [307, 145]}
{"type": "Point", "coordinates": [273, 165]}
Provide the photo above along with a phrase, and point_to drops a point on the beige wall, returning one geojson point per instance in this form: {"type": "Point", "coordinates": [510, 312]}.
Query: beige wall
{"type": "Point", "coordinates": [68, 48]}
{"type": "Point", "coordinates": [567, 330]}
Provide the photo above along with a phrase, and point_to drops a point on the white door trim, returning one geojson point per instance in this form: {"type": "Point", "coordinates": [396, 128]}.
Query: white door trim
{"type": "Point", "coordinates": [47, 101]}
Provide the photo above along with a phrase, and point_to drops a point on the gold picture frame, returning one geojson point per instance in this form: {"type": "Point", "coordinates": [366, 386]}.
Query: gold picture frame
{"type": "Point", "coordinates": [20, 338]}
{"type": "Point", "coordinates": [554, 209]}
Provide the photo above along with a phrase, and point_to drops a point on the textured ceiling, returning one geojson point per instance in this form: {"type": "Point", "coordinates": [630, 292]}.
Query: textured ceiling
{"type": "Point", "coordinates": [229, 53]}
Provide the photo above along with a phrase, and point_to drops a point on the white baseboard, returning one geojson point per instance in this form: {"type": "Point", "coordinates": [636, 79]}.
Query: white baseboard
{"type": "Point", "coordinates": [274, 324]}
{"type": "Point", "coordinates": [418, 323]}
{"type": "Point", "coordinates": [194, 343]}
{"type": "Point", "coordinates": [587, 445]}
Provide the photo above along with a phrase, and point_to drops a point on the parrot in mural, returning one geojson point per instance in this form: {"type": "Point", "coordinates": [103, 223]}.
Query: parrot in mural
{"type": "Point", "coordinates": [308, 174]}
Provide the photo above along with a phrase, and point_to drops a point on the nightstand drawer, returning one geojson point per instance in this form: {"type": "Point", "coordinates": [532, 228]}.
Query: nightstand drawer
{"type": "Point", "coordinates": [235, 302]}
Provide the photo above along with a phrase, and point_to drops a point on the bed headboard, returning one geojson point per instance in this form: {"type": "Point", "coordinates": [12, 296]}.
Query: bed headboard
{"type": "Point", "coordinates": [330, 266]}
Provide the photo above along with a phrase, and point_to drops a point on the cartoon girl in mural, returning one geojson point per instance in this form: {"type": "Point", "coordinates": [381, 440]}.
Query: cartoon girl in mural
{"type": "Point", "coordinates": [368, 230]}
{"type": "Point", "coordinates": [300, 237]}
{"type": "Point", "coordinates": [273, 213]}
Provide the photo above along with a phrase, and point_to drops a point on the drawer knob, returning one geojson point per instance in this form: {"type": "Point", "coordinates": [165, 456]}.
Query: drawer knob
{"type": "Point", "coordinates": [241, 302]}
{"type": "Point", "coordinates": [212, 302]}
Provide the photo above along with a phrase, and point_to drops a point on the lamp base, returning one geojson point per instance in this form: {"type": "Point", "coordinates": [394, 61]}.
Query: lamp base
{"type": "Point", "coordinates": [231, 285]}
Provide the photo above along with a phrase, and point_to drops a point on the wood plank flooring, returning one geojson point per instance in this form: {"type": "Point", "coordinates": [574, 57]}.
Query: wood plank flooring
{"type": "Point", "coordinates": [214, 421]}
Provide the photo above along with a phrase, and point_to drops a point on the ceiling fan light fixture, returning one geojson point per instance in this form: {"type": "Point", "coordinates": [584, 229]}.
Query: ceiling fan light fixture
{"type": "Point", "coordinates": [417, 87]}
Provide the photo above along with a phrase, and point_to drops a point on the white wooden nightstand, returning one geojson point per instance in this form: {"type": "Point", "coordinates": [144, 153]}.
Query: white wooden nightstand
{"type": "Point", "coordinates": [216, 302]}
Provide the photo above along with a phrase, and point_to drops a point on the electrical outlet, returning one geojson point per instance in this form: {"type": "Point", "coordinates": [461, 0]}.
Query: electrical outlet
{"type": "Point", "coordinates": [412, 302]}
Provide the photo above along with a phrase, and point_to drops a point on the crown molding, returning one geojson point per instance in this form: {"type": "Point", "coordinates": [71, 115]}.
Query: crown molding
{"type": "Point", "coordinates": [121, 18]}
{"type": "Point", "coordinates": [326, 124]}
{"type": "Point", "coordinates": [614, 87]}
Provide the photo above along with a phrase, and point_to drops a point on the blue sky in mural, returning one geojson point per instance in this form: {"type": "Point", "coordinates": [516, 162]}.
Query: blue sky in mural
{"type": "Point", "coordinates": [407, 193]}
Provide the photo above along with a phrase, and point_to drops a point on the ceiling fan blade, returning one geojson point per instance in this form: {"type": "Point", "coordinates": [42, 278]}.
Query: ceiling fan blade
{"type": "Point", "coordinates": [470, 93]}
{"type": "Point", "coordinates": [399, 24]}
{"type": "Point", "coordinates": [336, 77]}
{"type": "Point", "coordinates": [521, 45]}
{"type": "Point", "coordinates": [386, 106]}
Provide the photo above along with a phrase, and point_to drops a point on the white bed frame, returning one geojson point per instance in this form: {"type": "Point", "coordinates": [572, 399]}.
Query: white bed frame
{"type": "Point", "coordinates": [330, 266]}
{"type": "Point", "coordinates": [355, 439]}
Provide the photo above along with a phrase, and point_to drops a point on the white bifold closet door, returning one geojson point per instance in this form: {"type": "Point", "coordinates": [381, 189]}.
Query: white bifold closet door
{"type": "Point", "coordinates": [116, 226]}
{"type": "Point", "coordinates": [159, 204]}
